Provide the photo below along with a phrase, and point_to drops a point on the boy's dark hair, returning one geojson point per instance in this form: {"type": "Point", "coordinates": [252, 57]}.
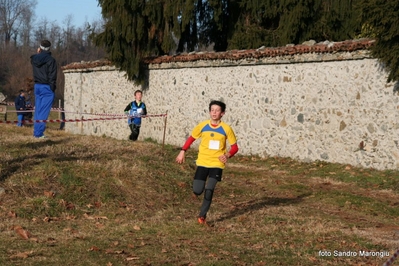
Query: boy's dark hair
{"type": "Point", "coordinates": [219, 103]}
{"type": "Point", "coordinates": [138, 91]}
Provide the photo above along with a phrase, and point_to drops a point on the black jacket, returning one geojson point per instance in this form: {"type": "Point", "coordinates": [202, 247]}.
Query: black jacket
{"type": "Point", "coordinates": [44, 69]}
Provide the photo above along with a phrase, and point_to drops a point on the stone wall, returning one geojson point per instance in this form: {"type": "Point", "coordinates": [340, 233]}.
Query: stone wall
{"type": "Point", "coordinates": [334, 107]}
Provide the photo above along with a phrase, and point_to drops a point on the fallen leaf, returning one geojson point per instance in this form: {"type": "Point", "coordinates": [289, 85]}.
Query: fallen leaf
{"type": "Point", "coordinates": [22, 232]}
{"type": "Point", "coordinates": [312, 259]}
{"type": "Point", "coordinates": [182, 184]}
{"type": "Point", "coordinates": [94, 248]}
{"type": "Point", "coordinates": [49, 194]}
{"type": "Point", "coordinates": [132, 258]}
{"type": "Point", "coordinates": [12, 214]}
{"type": "Point", "coordinates": [71, 230]}
{"type": "Point", "coordinates": [67, 205]}
{"type": "Point", "coordinates": [94, 217]}
{"type": "Point", "coordinates": [137, 228]}
{"type": "Point", "coordinates": [258, 246]}
{"type": "Point", "coordinates": [70, 217]}
{"type": "Point", "coordinates": [111, 251]}
{"type": "Point", "coordinates": [100, 225]}
{"type": "Point", "coordinates": [70, 206]}
{"type": "Point", "coordinates": [51, 241]}
{"type": "Point", "coordinates": [21, 255]}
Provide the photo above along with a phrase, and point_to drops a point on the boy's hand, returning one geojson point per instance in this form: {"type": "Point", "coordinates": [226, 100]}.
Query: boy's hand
{"type": "Point", "coordinates": [180, 158]}
{"type": "Point", "coordinates": [223, 158]}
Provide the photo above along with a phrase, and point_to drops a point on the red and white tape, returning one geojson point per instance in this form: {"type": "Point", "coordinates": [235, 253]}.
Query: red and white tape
{"type": "Point", "coordinates": [62, 110]}
{"type": "Point", "coordinates": [31, 121]}
{"type": "Point", "coordinates": [392, 258]}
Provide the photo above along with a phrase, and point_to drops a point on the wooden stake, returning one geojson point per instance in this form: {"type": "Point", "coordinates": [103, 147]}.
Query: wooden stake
{"type": "Point", "coordinates": [164, 130]}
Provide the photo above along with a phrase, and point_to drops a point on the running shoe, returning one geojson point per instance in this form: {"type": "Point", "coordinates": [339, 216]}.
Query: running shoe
{"type": "Point", "coordinates": [202, 220]}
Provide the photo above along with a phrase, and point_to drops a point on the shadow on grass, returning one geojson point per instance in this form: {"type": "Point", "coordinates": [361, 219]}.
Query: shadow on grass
{"type": "Point", "coordinates": [25, 162]}
{"type": "Point", "coordinates": [261, 203]}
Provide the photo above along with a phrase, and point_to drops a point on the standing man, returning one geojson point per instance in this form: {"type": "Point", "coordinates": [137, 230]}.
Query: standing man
{"type": "Point", "coordinates": [45, 77]}
{"type": "Point", "coordinates": [20, 106]}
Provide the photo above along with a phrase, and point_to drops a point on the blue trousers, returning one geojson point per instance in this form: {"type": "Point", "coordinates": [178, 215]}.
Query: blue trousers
{"type": "Point", "coordinates": [20, 120]}
{"type": "Point", "coordinates": [44, 98]}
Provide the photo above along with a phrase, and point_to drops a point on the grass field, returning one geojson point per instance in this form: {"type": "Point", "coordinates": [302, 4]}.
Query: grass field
{"type": "Point", "coordinates": [84, 200]}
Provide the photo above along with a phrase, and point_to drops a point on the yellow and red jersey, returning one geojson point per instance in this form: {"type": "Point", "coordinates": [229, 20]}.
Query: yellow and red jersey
{"type": "Point", "coordinates": [213, 142]}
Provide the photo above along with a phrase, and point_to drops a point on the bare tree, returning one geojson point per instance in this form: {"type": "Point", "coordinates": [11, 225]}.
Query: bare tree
{"type": "Point", "coordinates": [25, 33]}
{"type": "Point", "coordinates": [13, 14]}
{"type": "Point", "coordinates": [69, 44]}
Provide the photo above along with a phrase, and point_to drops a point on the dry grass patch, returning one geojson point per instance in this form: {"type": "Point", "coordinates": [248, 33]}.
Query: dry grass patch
{"type": "Point", "coordinates": [83, 200]}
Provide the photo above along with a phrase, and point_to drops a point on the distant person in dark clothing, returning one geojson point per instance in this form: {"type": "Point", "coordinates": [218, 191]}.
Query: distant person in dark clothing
{"type": "Point", "coordinates": [20, 106]}
{"type": "Point", "coordinates": [135, 110]}
{"type": "Point", "coordinates": [62, 124]}
{"type": "Point", "coordinates": [29, 105]}
{"type": "Point", "coordinates": [45, 77]}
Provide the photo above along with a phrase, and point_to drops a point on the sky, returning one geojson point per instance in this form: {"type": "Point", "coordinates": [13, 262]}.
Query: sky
{"type": "Point", "coordinates": [58, 10]}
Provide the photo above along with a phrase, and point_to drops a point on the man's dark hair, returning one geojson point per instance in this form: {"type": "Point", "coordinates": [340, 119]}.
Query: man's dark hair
{"type": "Point", "coordinates": [45, 43]}
{"type": "Point", "coordinates": [137, 92]}
{"type": "Point", "coordinates": [219, 103]}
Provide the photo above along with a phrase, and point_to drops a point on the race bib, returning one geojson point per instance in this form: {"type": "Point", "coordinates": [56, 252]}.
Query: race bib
{"type": "Point", "coordinates": [214, 145]}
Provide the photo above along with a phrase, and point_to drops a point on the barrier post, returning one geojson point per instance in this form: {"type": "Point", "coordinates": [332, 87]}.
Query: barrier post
{"type": "Point", "coordinates": [164, 129]}
{"type": "Point", "coordinates": [59, 106]}
{"type": "Point", "coordinates": [3, 110]}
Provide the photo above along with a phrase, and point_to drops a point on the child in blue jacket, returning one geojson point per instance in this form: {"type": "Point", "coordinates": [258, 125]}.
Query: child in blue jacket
{"type": "Point", "coordinates": [20, 106]}
{"type": "Point", "coordinates": [135, 109]}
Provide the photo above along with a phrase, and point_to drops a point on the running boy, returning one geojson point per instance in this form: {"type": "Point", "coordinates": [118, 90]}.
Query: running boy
{"type": "Point", "coordinates": [212, 155]}
{"type": "Point", "coordinates": [135, 109]}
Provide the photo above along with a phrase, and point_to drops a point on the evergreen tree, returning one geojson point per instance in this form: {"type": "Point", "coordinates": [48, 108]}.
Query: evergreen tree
{"type": "Point", "coordinates": [277, 23]}
{"type": "Point", "coordinates": [135, 29]}
{"type": "Point", "coordinates": [127, 34]}
{"type": "Point", "coordinates": [380, 17]}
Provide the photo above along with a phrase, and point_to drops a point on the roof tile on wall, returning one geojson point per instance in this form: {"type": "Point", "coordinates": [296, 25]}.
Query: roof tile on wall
{"type": "Point", "coordinates": [324, 47]}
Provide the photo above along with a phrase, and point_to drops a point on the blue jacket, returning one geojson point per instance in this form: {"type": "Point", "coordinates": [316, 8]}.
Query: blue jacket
{"type": "Point", "coordinates": [20, 103]}
{"type": "Point", "coordinates": [136, 111]}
